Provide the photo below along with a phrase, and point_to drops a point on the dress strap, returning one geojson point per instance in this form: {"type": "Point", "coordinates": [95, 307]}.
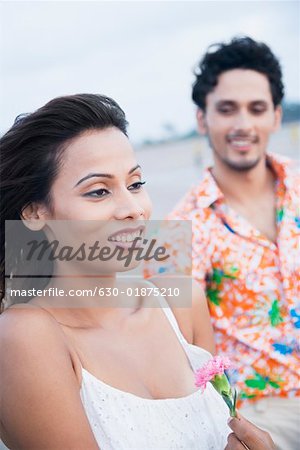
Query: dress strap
{"type": "Point", "coordinates": [195, 355]}
{"type": "Point", "coordinates": [172, 320]}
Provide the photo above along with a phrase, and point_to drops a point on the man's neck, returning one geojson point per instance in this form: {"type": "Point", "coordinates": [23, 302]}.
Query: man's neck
{"type": "Point", "coordinates": [242, 187]}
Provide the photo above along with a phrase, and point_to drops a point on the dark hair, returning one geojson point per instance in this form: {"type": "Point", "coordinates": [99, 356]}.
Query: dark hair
{"type": "Point", "coordinates": [32, 149]}
{"type": "Point", "coordinates": [240, 53]}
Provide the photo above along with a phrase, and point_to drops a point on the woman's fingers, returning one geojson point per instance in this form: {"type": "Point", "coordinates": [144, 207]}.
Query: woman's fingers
{"type": "Point", "coordinates": [233, 443]}
{"type": "Point", "coordinates": [253, 437]}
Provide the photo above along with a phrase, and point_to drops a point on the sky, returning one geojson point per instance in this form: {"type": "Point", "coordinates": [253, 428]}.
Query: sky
{"type": "Point", "coordinates": [140, 53]}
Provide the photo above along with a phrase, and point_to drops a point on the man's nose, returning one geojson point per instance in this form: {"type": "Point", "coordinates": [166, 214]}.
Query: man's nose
{"type": "Point", "coordinates": [128, 206]}
{"type": "Point", "coordinates": [243, 121]}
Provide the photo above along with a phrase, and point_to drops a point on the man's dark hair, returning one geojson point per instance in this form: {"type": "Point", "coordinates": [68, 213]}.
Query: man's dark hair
{"type": "Point", "coordinates": [240, 53]}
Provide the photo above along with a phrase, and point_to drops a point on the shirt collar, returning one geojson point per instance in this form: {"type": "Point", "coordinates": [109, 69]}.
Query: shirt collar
{"type": "Point", "coordinates": [209, 192]}
{"type": "Point", "coordinates": [282, 168]}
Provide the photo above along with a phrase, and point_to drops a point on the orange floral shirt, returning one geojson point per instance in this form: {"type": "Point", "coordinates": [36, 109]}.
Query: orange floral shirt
{"type": "Point", "coordinates": [252, 285]}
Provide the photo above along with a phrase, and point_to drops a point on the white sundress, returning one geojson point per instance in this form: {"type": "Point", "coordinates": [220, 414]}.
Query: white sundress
{"type": "Point", "coordinates": [121, 420]}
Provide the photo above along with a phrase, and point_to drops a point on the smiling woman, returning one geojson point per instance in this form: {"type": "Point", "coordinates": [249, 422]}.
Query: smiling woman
{"type": "Point", "coordinates": [78, 374]}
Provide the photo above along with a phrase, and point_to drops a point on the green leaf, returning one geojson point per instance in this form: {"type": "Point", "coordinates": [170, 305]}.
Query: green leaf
{"type": "Point", "coordinates": [231, 273]}
{"type": "Point", "coordinates": [226, 275]}
{"type": "Point", "coordinates": [233, 412]}
{"type": "Point", "coordinates": [244, 395]}
{"type": "Point", "coordinates": [234, 398]}
{"type": "Point", "coordinates": [279, 214]}
{"type": "Point", "coordinates": [221, 384]}
{"type": "Point", "coordinates": [256, 384]}
{"type": "Point", "coordinates": [258, 376]}
{"type": "Point", "coordinates": [228, 401]}
{"type": "Point", "coordinates": [274, 384]}
{"type": "Point", "coordinates": [213, 296]}
{"type": "Point", "coordinates": [217, 276]}
{"type": "Point", "coordinates": [275, 314]}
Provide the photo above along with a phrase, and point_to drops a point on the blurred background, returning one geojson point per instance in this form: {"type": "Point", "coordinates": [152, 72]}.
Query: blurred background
{"type": "Point", "coordinates": [142, 53]}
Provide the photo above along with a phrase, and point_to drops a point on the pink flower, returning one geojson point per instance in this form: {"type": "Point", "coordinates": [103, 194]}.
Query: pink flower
{"type": "Point", "coordinates": [215, 366]}
{"type": "Point", "coordinates": [213, 372]}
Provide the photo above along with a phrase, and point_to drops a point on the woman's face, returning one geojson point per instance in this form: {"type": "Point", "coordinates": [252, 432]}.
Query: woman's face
{"type": "Point", "coordinates": [100, 180]}
{"type": "Point", "coordinates": [99, 189]}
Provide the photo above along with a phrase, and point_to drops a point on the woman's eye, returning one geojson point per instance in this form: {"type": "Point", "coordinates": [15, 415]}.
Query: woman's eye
{"type": "Point", "coordinates": [136, 186]}
{"type": "Point", "coordinates": [98, 193]}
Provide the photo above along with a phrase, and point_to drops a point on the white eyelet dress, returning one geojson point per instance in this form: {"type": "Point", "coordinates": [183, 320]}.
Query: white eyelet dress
{"type": "Point", "coordinates": [121, 420]}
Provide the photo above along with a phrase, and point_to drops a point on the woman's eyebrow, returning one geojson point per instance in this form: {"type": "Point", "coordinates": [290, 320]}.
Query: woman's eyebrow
{"type": "Point", "coordinates": [134, 168]}
{"type": "Point", "coordinates": [92, 175]}
{"type": "Point", "coordinates": [103, 175]}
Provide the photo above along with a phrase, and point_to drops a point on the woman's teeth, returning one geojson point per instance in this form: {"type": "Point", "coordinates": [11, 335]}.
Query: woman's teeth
{"type": "Point", "coordinates": [128, 237]}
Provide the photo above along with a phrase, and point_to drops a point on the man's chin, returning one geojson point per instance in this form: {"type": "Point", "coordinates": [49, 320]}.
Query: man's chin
{"type": "Point", "coordinates": [241, 166]}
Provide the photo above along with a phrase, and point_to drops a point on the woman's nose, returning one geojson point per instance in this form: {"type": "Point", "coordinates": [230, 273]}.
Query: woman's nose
{"type": "Point", "coordinates": [129, 206]}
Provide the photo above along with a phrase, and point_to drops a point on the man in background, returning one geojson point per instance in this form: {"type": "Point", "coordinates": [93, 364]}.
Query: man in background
{"type": "Point", "coordinates": [246, 233]}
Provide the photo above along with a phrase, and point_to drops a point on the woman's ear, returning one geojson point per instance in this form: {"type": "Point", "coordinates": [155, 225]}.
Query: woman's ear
{"type": "Point", "coordinates": [201, 121]}
{"type": "Point", "coordinates": [34, 216]}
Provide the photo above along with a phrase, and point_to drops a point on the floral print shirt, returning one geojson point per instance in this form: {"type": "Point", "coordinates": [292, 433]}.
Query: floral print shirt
{"type": "Point", "coordinates": [252, 284]}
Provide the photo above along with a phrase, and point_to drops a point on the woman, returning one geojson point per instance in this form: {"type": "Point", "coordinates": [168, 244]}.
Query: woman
{"type": "Point", "coordinates": [84, 373]}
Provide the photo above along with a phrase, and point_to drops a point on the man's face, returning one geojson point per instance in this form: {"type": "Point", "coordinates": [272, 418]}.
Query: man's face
{"type": "Point", "coordinates": [239, 118]}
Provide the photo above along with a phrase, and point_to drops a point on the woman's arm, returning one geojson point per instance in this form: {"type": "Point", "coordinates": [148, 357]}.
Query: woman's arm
{"type": "Point", "coordinates": [201, 322]}
{"type": "Point", "coordinates": [194, 321]}
{"type": "Point", "coordinates": [40, 404]}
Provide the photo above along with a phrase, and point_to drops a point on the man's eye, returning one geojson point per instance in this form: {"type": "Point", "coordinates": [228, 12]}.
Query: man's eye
{"type": "Point", "coordinates": [258, 110]}
{"type": "Point", "coordinates": [136, 186]}
{"type": "Point", "coordinates": [225, 110]}
{"type": "Point", "coordinates": [98, 193]}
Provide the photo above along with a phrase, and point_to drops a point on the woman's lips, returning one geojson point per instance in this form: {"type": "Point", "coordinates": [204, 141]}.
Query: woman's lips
{"type": "Point", "coordinates": [128, 237]}
{"type": "Point", "coordinates": [128, 245]}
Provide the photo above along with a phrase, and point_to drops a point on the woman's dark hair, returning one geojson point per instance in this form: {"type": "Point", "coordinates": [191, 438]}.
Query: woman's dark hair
{"type": "Point", "coordinates": [240, 53]}
{"type": "Point", "coordinates": [31, 151]}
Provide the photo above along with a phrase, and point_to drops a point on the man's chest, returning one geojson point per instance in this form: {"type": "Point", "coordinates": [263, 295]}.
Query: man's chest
{"type": "Point", "coordinates": [242, 266]}
{"type": "Point", "coordinates": [259, 215]}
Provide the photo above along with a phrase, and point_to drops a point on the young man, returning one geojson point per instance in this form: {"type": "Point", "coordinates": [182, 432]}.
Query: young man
{"type": "Point", "coordinates": [246, 233]}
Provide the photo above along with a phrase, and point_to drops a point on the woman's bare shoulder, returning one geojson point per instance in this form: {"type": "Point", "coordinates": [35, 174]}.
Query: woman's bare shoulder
{"type": "Point", "coordinates": [25, 319]}
{"type": "Point", "coordinates": [26, 331]}
{"type": "Point", "coordinates": [41, 389]}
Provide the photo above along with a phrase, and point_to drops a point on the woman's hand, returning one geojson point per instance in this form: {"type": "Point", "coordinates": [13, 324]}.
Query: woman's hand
{"type": "Point", "coordinates": [247, 436]}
